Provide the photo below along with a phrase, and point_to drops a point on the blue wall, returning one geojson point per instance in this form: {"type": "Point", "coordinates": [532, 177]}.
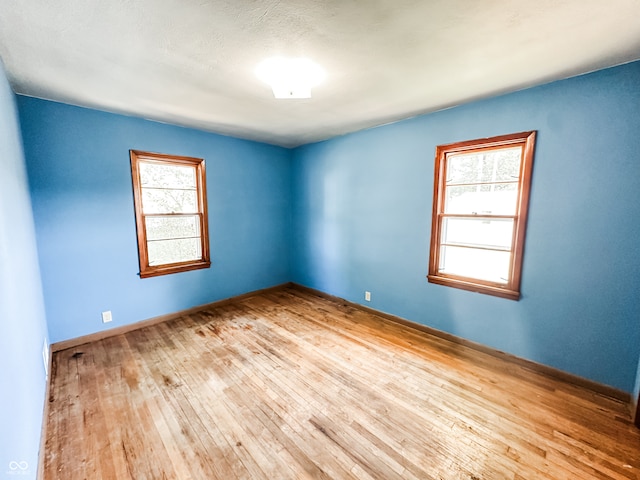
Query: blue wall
{"type": "Point", "coordinates": [23, 328]}
{"type": "Point", "coordinates": [362, 219]}
{"type": "Point", "coordinates": [80, 179]}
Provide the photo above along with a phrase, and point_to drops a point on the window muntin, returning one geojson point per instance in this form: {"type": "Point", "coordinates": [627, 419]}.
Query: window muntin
{"type": "Point", "coordinates": [481, 193]}
{"type": "Point", "coordinates": [171, 215]}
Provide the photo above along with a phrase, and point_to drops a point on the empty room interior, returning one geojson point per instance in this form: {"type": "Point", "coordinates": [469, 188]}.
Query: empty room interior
{"type": "Point", "coordinates": [298, 239]}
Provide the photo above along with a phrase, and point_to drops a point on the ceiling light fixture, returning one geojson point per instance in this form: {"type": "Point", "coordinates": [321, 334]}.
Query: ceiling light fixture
{"type": "Point", "coordinates": [290, 77]}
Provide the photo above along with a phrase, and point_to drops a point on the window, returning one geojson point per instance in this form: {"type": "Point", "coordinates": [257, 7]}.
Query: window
{"type": "Point", "coordinates": [480, 200]}
{"type": "Point", "coordinates": [171, 213]}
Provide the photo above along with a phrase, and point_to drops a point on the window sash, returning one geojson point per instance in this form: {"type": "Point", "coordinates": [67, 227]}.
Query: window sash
{"type": "Point", "coordinates": [503, 219]}
{"type": "Point", "coordinates": [488, 266]}
{"type": "Point", "coordinates": [154, 233]}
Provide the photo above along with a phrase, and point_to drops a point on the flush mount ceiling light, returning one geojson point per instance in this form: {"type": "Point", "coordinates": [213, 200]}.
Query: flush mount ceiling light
{"type": "Point", "coordinates": [290, 77]}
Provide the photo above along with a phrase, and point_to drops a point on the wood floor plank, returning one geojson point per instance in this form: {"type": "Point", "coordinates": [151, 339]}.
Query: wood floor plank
{"type": "Point", "coordinates": [337, 465]}
{"type": "Point", "coordinates": [502, 414]}
{"type": "Point", "coordinates": [246, 424]}
{"type": "Point", "coordinates": [210, 448]}
{"type": "Point", "coordinates": [361, 388]}
{"type": "Point", "coordinates": [288, 385]}
{"type": "Point", "coordinates": [401, 415]}
{"type": "Point", "coordinates": [320, 401]}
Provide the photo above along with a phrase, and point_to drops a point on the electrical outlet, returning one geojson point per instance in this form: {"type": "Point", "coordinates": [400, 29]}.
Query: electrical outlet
{"type": "Point", "coordinates": [367, 296]}
{"type": "Point", "coordinates": [106, 316]}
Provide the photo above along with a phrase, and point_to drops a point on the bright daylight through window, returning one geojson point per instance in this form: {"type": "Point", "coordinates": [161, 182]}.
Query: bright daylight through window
{"type": "Point", "coordinates": [481, 195]}
{"type": "Point", "coordinates": [171, 213]}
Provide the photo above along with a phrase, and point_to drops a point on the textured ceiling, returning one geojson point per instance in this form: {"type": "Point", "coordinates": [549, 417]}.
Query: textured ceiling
{"type": "Point", "coordinates": [191, 62]}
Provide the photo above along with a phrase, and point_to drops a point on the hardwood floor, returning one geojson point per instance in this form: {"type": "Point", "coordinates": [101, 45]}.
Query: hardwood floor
{"type": "Point", "coordinates": [287, 385]}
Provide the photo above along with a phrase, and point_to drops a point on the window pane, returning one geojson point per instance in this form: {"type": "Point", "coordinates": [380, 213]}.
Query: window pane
{"type": "Point", "coordinates": [492, 199]}
{"type": "Point", "coordinates": [164, 228]}
{"type": "Point", "coordinates": [169, 201]}
{"type": "Point", "coordinates": [167, 176]}
{"type": "Point", "coordinates": [162, 252]}
{"type": "Point", "coordinates": [494, 233]}
{"type": "Point", "coordinates": [486, 265]}
{"type": "Point", "coordinates": [498, 165]}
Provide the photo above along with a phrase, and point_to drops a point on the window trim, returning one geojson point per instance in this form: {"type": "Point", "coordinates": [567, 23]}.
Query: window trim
{"type": "Point", "coordinates": [147, 270]}
{"type": "Point", "coordinates": [512, 289]}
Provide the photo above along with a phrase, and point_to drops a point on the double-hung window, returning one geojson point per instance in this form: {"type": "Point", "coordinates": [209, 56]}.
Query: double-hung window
{"type": "Point", "coordinates": [171, 213]}
{"type": "Point", "coordinates": [481, 197]}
